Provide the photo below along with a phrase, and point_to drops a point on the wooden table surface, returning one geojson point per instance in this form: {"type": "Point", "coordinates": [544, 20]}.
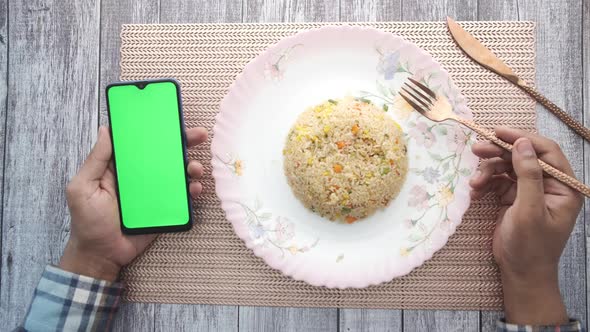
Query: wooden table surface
{"type": "Point", "coordinates": [57, 56]}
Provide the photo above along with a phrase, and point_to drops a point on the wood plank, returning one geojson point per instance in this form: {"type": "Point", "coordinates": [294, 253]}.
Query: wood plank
{"type": "Point", "coordinates": [421, 320]}
{"type": "Point", "coordinates": [289, 319]}
{"type": "Point", "coordinates": [440, 320]}
{"type": "Point", "coordinates": [185, 317]}
{"type": "Point", "coordinates": [3, 99]}
{"type": "Point", "coordinates": [135, 317]}
{"type": "Point", "coordinates": [559, 78]}
{"type": "Point", "coordinates": [488, 320]}
{"type": "Point", "coordinates": [353, 320]}
{"type": "Point", "coordinates": [291, 11]}
{"type": "Point", "coordinates": [586, 116]}
{"type": "Point", "coordinates": [500, 10]}
{"type": "Point", "coordinates": [201, 11]}
{"type": "Point", "coordinates": [370, 319]}
{"type": "Point", "coordinates": [50, 129]}
{"type": "Point", "coordinates": [175, 317]}
{"type": "Point", "coordinates": [265, 319]}
{"type": "Point", "coordinates": [132, 316]}
{"type": "Point", "coordinates": [370, 10]}
{"type": "Point", "coordinates": [434, 10]}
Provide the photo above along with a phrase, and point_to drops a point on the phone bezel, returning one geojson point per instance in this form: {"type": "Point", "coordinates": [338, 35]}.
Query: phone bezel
{"type": "Point", "coordinates": [141, 84]}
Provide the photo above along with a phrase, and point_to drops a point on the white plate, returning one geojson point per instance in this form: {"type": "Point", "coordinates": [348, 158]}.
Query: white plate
{"type": "Point", "coordinates": [250, 132]}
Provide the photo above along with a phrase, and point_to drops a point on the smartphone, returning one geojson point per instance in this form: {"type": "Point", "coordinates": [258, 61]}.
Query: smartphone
{"type": "Point", "coordinates": [150, 158]}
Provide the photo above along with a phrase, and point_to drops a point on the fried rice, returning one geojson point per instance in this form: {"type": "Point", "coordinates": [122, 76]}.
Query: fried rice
{"type": "Point", "coordinates": [344, 159]}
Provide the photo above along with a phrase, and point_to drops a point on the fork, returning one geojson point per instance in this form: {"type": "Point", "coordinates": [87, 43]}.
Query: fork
{"type": "Point", "coordinates": [438, 109]}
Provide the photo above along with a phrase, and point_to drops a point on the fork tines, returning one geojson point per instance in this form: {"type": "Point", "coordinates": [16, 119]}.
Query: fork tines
{"type": "Point", "coordinates": [420, 97]}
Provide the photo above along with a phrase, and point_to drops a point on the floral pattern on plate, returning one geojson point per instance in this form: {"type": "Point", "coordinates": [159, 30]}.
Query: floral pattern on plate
{"type": "Point", "coordinates": [235, 165]}
{"type": "Point", "coordinates": [274, 68]}
{"type": "Point", "coordinates": [276, 231]}
{"type": "Point", "coordinates": [441, 176]}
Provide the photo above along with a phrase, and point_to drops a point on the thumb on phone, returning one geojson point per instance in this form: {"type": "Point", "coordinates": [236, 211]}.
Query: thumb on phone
{"type": "Point", "coordinates": [99, 158]}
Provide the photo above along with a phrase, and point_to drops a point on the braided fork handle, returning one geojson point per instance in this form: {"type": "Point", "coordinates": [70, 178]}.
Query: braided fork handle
{"type": "Point", "coordinates": [571, 122]}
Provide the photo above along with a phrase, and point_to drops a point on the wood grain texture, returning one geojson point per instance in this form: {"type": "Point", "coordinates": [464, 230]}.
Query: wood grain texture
{"type": "Point", "coordinates": [265, 11]}
{"type": "Point", "coordinates": [50, 128]}
{"type": "Point", "coordinates": [114, 13]}
{"type": "Point", "coordinates": [586, 116]}
{"type": "Point", "coordinates": [370, 10]}
{"type": "Point", "coordinates": [289, 319]}
{"type": "Point", "coordinates": [200, 11]}
{"type": "Point", "coordinates": [499, 10]}
{"type": "Point", "coordinates": [368, 319]}
{"type": "Point", "coordinates": [420, 320]}
{"type": "Point", "coordinates": [3, 99]}
{"type": "Point", "coordinates": [185, 317]}
{"type": "Point", "coordinates": [488, 320]}
{"type": "Point", "coordinates": [264, 319]}
{"type": "Point", "coordinates": [175, 317]}
{"type": "Point", "coordinates": [435, 10]}
{"type": "Point", "coordinates": [357, 320]}
{"type": "Point", "coordinates": [559, 77]}
{"type": "Point", "coordinates": [439, 320]}
{"type": "Point", "coordinates": [135, 317]}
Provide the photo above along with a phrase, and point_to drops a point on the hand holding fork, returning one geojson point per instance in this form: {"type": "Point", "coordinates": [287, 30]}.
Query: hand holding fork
{"type": "Point", "coordinates": [437, 108]}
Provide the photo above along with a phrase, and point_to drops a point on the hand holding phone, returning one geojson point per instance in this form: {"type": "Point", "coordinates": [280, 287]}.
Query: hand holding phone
{"type": "Point", "coordinates": [96, 246]}
{"type": "Point", "coordinates": [149, 152]}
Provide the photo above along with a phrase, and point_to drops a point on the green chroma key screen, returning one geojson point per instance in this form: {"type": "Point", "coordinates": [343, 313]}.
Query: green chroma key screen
{"type": "Point", "coordinates": [146, 129]}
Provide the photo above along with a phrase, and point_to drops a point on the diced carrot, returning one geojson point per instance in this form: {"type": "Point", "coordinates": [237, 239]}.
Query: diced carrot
{"type": "Point", "coordinates": [355, 129]}
{"type": "Point", "coordinates": [337, 168]}
{"type": "Point", "coordinates": [350, 219]}
{"type": "Point", "coordinates": [341, 144]}
{"type": "Point", "coordinates": [391, 162]}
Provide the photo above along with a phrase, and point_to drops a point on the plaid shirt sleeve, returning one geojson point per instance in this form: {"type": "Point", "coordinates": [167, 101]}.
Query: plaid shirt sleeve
{"type": "Point", "coordinates": [572, 326]}
{"type": "Point", "coordinates": [64, 301]}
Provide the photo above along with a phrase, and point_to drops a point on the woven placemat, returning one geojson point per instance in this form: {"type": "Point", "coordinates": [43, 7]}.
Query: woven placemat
{"type": "Point", "coordinates": [210, 265]}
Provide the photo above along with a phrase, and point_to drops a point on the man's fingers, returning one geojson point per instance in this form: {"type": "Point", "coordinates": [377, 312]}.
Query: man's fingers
{"type": "Point", "coordinates": [195, 169]}
{"type": "Point", "coordinates": [541, 144]}
{"type": "Point", "coordinates": [196, 136]}
{"type": "Point", "coordinates": [487, 169]}
{"type": "Point", "coordinates": [507, 192]}
{"type": "Point", "coordinates": [530, 193]}
{"type": "Point", "coordinates": [487, 150]}
{"type": "Point", "coordinates": [99, 158]}
{"type": "Point", "coordinates": [195, 188]}
{"type": "Point", "coordinates": [500, 184]}
{"type": "Point", "coordinates": [546, 149]}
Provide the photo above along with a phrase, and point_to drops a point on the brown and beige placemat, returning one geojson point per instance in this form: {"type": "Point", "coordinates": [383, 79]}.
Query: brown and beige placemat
{"type": "Point", "coordinates": [210, 265]}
